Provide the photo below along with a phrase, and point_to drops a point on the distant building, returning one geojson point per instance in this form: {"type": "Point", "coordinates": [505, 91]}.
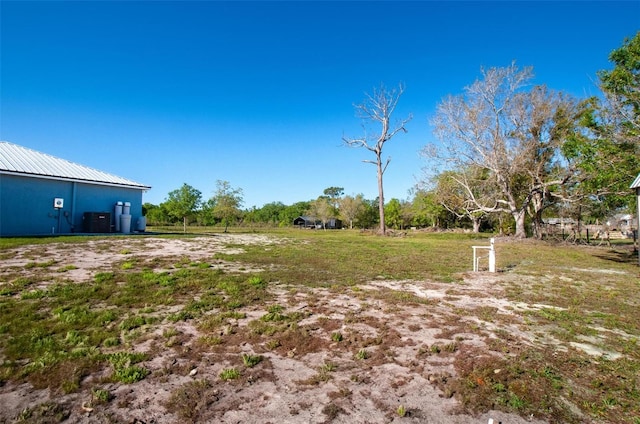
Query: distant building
{"type": "Point", "coordinates": [307, 222]}
{"type": "Point", "coordinates": [311, 222]}
{"type": "Point", "coordinates": [42, 194]}
{"type": "Point", "coordinates": [636, 186]}
{"type": "Point", "coordinates": [562, 222]}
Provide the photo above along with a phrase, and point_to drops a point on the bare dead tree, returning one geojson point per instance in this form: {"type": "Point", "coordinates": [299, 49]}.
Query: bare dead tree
{"type": "Point", "coordinates": [377, 109]}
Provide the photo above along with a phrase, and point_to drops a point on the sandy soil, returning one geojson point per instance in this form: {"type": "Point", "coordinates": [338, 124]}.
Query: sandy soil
{"type": "Point", "coordinates": [318, 382]}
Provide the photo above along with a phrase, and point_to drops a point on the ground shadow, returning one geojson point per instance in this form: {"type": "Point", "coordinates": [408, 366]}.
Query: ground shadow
{"type": "Point", "coordinates": [626, 255]}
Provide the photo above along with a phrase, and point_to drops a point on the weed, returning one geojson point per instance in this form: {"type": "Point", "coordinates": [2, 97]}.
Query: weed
{"type": "Point", "coordinates": [211, 340]}
{"type": "Point", "coordinates": [69, 386]}
{"type": "Point", "coordinates": [258, 282]}
{"type": "Point", "coordinates": [336, 337]}
{"type": "Point", "coordinates": [124, 370]}
{"type": "Point", "coordinates": [229, 374]}
{"type": "Point", "coordinates": [169, 332]}
{"type": "Point", "coordinates": [101, 396]}
{"type": "Point", "coordinates": [46, 264]}
{"type": "Point", "coordinates": [401, 411]}
{"type": "Point", "coordinates": [33, 294]}
{"type": "Point", "coordinates": [332, 411]}
{"type": "Point", "coordinates": [272, 344]}
{"type": "Point", "coordinates": [274, 313]}
{"type": "Point", "coordinates": [451, 347]}
{"type": "Point", "coordinates": [67, 268]}
{"type": "Point", "coordinates": [362, 354]}
{"type": "Point", "coordinates": [111, 341]}
{"type": "Point", "coordinates": [104, 277]}
{"type": "Point", "coordinates": [186, 402]}
{"type": "Point", "coordinates": [329, 367]}
{"type": "Point", "coordinates": [135, 322]}
{"type": "Point", "coordinates": [251, 361]}
{"type": "Point", "coordinates": [44, 412]}
{"type": "Point", "coordinates": [130, 374]}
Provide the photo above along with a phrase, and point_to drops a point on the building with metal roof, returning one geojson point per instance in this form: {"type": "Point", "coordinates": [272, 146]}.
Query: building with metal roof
{"type": "Point", "coordinates": [42, 194]}
{"type": "Point", "coordinates": [636, 186]}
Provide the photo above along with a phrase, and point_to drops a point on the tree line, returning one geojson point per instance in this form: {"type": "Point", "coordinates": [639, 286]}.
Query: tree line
{"type": "Point", "coordinates": [185, 206]}
{"type": "Point", "coordinates": [508, 154]}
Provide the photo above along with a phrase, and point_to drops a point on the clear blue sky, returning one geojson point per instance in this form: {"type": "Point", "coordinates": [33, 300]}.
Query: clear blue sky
{"type": "Point", "coordinates": [259, 94]}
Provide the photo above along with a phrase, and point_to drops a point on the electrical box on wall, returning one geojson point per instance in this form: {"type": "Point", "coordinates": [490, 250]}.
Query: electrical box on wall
{"type": "Point", "coordinates": [58, 203]}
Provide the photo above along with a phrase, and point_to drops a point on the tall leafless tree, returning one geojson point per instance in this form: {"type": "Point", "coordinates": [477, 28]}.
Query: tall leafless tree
{"type": "Point", "coordinates": [377, 109]}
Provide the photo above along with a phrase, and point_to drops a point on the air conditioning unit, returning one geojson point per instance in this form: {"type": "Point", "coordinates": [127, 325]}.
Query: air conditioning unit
{"type": "Point", "coordinates": [58, 203]}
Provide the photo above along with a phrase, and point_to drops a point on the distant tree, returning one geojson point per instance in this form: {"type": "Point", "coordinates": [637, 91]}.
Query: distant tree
{"type": "Point", "coordinates": [427, 210]}
{"type": "Point", "coordinates": [350, 207]}
{"type": "Point", "coordinates": [156, 214]}
{"type": "Point", "coordinates": [377, 109]}
{"type": "Point", "coordinates": [467, 194]}
{"type": "Point", "coordinates": [621, 85]}
{"type": "Point", "coordinates": [321, 209]}
{"type": "Point", "coordinates": [270, 213]}
{"type": "Point", "coordinates": [334, 194]}
{"type": "Point", "coordinates": [226, 203]}
{"type": "Point", "coordinates": [183, 203]}
{"type": "Point", "coordinates": [407, 213]}
{"type": "Point", "coordinates": [369, 214]}
{"type": "Point", "coordinates": [393, 214]}
{"type": "Point", "coordinates": [607, 154]}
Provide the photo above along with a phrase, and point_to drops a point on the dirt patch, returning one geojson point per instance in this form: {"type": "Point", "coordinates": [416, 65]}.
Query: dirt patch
{"type": "Point", "coordinates": [378, 353]}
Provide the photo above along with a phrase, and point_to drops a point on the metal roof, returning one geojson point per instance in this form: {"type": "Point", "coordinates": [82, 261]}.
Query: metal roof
{"type": "Point", "coordinates": [636, 182]}
{"type": "Point", "coordinates": [20, 160]}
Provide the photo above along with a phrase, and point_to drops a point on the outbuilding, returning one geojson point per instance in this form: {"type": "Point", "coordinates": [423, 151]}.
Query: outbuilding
{"type": "Point", "coordinates": [636, 186]}
{"type": "Point", "coordinates": [41, 194]}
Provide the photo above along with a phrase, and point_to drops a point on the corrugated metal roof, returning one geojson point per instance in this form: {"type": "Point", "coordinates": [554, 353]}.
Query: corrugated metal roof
{"type": "Point", "coordinates": [636, 182]}
{"type": "Point", "coordinates": [21, 160]}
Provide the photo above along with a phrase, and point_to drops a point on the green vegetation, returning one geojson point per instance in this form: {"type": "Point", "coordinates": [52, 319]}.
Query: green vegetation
{"type": "Point", "coordinates": [229, 374]}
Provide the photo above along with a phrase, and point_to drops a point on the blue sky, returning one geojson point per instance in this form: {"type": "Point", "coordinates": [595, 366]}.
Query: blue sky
{"type": "Point", "coordinates": [260, 94]}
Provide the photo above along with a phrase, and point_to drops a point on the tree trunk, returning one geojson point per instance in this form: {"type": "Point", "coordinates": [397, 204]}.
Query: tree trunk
{"type": "Point", "coordinates": [538, 204]}
{"type": "Point", "coordinates": [476, 224]}
{"type": "Point", "coordinates": [184, 224]}
{"type": "Point", "coordinates": [381, 197]}
{"type": "Point", "coordinates": [519, 217]}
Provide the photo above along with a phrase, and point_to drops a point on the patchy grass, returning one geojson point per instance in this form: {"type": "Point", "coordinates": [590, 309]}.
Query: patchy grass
{"type": "Point", "coordinates": [561, 344]}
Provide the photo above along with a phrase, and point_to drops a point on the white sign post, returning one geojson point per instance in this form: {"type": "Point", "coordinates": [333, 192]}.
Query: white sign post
{"type": "Point", "coordinates": [491, 256]}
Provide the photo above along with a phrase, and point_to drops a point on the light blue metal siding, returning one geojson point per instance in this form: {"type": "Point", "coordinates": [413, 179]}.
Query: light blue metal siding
{"type": "Point", "coordinates": [27, 204]}
{"type": "Point", "coordinates": [92, 198]}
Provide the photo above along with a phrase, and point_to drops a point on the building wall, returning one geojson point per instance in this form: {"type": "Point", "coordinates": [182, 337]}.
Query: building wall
{"type": "Point", "coordinates": [27, 205]}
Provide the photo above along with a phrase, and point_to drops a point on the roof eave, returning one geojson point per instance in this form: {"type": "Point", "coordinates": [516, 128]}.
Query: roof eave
{"type": "Point", "coordinates": [75, 180]}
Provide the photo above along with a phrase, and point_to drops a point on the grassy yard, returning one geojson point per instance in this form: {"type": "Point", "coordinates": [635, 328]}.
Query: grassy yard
{"type": "Point", "coordinates": [554, 334]}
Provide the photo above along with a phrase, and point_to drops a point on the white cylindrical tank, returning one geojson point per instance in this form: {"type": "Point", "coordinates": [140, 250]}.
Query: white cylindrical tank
{"type": "Point", "coordinates": [116, 215]}
{"type": "Point", "coordinates": [125, 223]}
{"type": "Point", "coordinates": [127, 208]}
{"type": "Point", "coordinates": [142, 223]}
